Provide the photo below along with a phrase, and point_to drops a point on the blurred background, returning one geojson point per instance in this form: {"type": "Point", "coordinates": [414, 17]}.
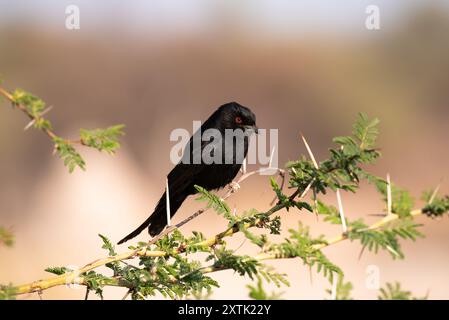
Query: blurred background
{"type": "Point", "coordinates": [301, 66]}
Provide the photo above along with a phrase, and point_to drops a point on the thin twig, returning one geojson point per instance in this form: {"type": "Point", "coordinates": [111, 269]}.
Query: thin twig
{"type": "Point", "coordinates": [49, 132]}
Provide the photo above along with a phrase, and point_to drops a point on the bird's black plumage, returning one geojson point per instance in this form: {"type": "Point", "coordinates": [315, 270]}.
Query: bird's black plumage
{"type": "Point", "coordinates": [188, 173]}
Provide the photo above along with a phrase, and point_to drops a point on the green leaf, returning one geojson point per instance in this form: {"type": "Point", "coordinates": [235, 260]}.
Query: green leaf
{"type": "Point", "coordinates": [401, 201]}
{"type": "Point", "coordinates": [214, 202]}
{"type": "Point", "coordinates": [258, 292]}
{"type": "Point", "coordinates": [103, 139]}
{"type": "Point", "coordinates": [343, 290]}
{"type": "Point", "coordinates": [107, 244]}
{"type": "Point", "coordinates": [7, 292]}
{"type": "Point", "coordinates": [6, 237]}
{"type": "Point", "coordinates": [330, 213]}
{"type": "Point", "coordinates": [387, 237]}
{"type": "Point", "coordinates": [68, 154]}
{"type": "Point", "coordinates": [366, 131]}
{"type": "Point", "coordinates": [437, 207]}
{"type": "Point", "coordinates": [33, 104]}
{"type": "Point", "coordinates": [393, 291]}
{"type": "Point", "coordinates": [58, 270]}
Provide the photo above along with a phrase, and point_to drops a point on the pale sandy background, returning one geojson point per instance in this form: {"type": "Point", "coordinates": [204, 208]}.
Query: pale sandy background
{"type": "Point", "coordinates": [305, 66]}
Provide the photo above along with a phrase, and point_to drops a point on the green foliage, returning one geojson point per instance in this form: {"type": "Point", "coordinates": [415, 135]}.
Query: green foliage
{"type": "Point", "coordinates": [33, 104]}
{"type": "Point", "coordinates": [269, 274]}
{"type": "Point", "coordinates": [393, 291]}
{"type": "Point", "coordinates": [259, 219]}
{"type": "Point", "coordinates": [173, 276]}
{"type": "Point", "coordinates": [243, 265]}
{"type": "Point", "coordinates": [214, 202]}
{"type": "Point", "coordinates": [6, 237]}
{"type": "Point", "coordinates": [7, 292]}
{"type": "Point", "coordinates": [343, 169]}
{"type": "Point", "coordinates": [68, 154]}
{"type": "Point", "coordinates": [107, 244]}
{"type": "Point", "coordinates": [99, 139]}
{"type": "Point", "coordinates": [95, 282]}
{"type": "Point", "coordinates": [437, 207]}
{"type": "Point", "coordinates": [387, 237]}
{"type": "Point", "coordinates": [401, 201]}
{"type": "Point", "coordinates": [103, 139]}
{"type": "Point", "coordinates": [57, 270]}
{"type": "Point", "coordinates": [366, 131]}
{"type": "Point", "coordinates": [286, 202]}
{"type": "Point", "coordinates": [175, 273]}
{"type": "Point", "coordinates": [343, 291]}
{"type": "Point", "coordinates": [258, 292]}
{"type": "Point", "coordinates": [330, 213]}
{"type": "Point", "coordinates": [301, 244]}
{"type": "Point", "coordinates": [201, 294]}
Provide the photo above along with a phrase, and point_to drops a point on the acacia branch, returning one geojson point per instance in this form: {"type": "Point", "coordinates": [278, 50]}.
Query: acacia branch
{"type": "Point", "coordinates": [49, 132]}
{"type": "Point", "coordinates": [341, 171]}
{"type": "Point", "coordinates": [76, 276]}
{"type": "Point", "coordinates": [99, 139]}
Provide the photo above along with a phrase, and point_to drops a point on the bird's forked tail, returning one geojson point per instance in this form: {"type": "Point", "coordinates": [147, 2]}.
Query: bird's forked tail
{"type": "Point", "coordinates": [157, 221]}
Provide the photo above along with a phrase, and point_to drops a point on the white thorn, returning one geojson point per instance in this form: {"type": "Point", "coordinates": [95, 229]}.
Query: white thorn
{"type": "Point", "coordinates": [34, 120]}
{"type": "Point", "coordinates": [310, 152]}
{"type": "Point", "coordinates": [46, 111]}
{"type": "Point", "coordinates": [342, 214]}
{"type": "Point", "coordinates": [434, 194]}
{"type": "Point", "coordinates": [389, 199]}
{"type": "Point", "coordinates": [244, 166]}
{"type": "Point", "coordinates": [303, 194]}
{"type": "Point", "coordinates": [29, 124]}
{"type": "Point", "coordinates": [167, 198]}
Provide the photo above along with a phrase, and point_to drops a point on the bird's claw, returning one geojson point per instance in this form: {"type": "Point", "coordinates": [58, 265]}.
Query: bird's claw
{"type": "Point", "coordinates": [234, 186]}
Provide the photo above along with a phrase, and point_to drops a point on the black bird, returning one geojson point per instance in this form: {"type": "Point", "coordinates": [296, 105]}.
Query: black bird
{"type": "Point", "coordinates": [188, 172]}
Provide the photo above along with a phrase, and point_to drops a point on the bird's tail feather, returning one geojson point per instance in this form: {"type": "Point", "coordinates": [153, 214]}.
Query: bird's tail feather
{"type": "Point", "coordinates": [157, 221]}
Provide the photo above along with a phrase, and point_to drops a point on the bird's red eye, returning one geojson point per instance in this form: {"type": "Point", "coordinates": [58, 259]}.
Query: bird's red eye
{"type": "Point", "coordinates": [238, 120]}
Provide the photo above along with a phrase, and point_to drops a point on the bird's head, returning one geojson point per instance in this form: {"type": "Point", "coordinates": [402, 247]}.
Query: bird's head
{"type": "Point", "coordinates": [235, 116]}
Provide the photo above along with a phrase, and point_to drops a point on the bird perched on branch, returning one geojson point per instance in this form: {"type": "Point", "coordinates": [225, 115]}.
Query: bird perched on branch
{"type": "Point", "coordinates": [210, 162]}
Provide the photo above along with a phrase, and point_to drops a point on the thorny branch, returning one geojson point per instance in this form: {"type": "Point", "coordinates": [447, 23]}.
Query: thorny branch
{"type": "Point", "coordinates": [342, 171]}
{"type": "Point", "coordinates": [48, 131]}
{"type": "Point", "coordinates": [75, 278]}
{"type": "Point", "coordinates": [34, 108]}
